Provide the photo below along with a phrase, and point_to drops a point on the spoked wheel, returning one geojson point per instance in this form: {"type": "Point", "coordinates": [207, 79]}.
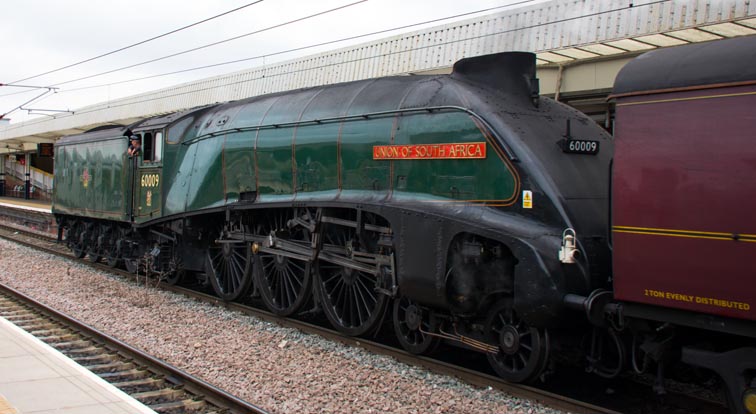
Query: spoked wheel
{"type": "Point", "coordinates": [93, 236]}
{"type": "Point", "coordinates": [349, 297]}
{"type": "Point", "coordinates": [284, 283]}
{"type": "Point", "coordinates": [176, 272]}
{"type": "Point", "coordinates": [523, 350]}
{"type": "Point", "coordinates": [76, 237]}
{"type": "Point", "coordinates": [412, 326]}
{"type": "Point", "coordinates": [228, 265]}
{"type": "Point", "coordinates": [174, 277]}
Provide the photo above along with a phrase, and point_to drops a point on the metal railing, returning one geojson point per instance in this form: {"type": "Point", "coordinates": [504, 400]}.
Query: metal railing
{"type": "Point", "coordinates": [40, 179]}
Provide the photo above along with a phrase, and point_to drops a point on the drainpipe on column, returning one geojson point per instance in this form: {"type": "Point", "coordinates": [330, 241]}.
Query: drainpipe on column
{"type": "Point", "coordinates": [2, 175]}
{"type": "Point", "coordinates": [27, 169]}
{"type": "Point", "coordinates": [559, 83]}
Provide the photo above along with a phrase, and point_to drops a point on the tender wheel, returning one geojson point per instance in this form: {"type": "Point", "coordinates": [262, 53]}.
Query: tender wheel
{"type": "Point", "coordinates": [228, 265]}
{"type": "Point", "coordinates": [348, 296]}
{"type": "Point", "coordinates": [284, 283]}
{"type": "Point", "coordinates": [110, 251]}
{"type": "Point", "coordinates": [76, 237]}
{"type": "Point", "coordinates": [93, 243]}
{"type": "Point", "coordinates": [523, 351]}
{"type": "Point", "coordinates": [411, 325]}
{"type": "Point", "coordinates": [111, 257]}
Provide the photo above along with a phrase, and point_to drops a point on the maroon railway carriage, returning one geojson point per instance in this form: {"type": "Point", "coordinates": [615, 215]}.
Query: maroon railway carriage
{"type": "Point", "coordinates": [684, 200]}
{"type": "Point", "coordinates": [684, 179]}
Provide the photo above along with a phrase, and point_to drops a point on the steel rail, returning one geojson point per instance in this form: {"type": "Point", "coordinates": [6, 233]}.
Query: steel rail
{"type": "Point", "coordinates": [465, 374]}
{"type": "Point", "coordinates": [195, 386]}
{"type": "Point", "coordinates": [470, 376]}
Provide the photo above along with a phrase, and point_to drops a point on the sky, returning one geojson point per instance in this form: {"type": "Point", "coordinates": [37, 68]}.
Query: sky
{"type": "Point", "coordinates": [43, 35]}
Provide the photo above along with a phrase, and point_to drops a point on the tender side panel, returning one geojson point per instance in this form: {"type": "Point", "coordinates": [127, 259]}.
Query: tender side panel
{"type": "Point", "coordinates": [684, 200]}
{"type": "Point", "coordinates": [90, 179]}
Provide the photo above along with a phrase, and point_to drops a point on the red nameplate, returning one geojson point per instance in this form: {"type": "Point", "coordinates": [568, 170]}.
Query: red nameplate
{"type": "Point", "coordinates": [469, 150]}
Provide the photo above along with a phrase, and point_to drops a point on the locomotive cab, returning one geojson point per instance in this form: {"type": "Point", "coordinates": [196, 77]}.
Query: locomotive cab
{"type": "Point", "coordinates": [145, 170]}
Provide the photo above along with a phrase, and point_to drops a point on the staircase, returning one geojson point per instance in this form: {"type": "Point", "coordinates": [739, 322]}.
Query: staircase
{"type": "Point", "coordinates": [15, 179]}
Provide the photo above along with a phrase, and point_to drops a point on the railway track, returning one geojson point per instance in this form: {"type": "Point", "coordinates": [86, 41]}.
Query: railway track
{"type": "Point", "coordinates": [30, 218]}
{"type": "Point", "coordinates": [548, 398]}
{"type": "Point", "coordinates": [162, 387]}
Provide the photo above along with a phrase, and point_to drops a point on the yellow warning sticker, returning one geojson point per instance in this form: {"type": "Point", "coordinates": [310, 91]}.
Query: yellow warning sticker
{"type": "Point", "coordinates": [527, 199]}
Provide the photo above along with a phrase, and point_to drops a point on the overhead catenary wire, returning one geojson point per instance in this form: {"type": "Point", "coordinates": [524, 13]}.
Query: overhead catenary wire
{"type": "Point", "coordinates": [214, 43]}
{"type": "Point", "coordinates": [268, 75]}
{"type": "Point", "coordinates": [36, 98]}
{"type": "Point", "coordinates": [189, 50]}
{"type": "Point", "coordinates": [297, 49]}
{"type": "Point", "coordinates": [519, 3]}
{"type": "Point", "coordinates": [138, 43]}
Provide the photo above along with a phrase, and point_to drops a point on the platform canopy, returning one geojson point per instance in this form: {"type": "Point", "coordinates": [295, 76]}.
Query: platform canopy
{"type": "Point", "coordinates": [580, 46]}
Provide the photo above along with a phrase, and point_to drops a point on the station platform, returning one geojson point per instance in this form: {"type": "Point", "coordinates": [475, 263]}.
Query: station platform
{"type": "Point", "coordinates": [32, 205]}
{"type": "Point", "coordinates": [33, 214]}
{"type": "Point", "coordinates": [37, 379]}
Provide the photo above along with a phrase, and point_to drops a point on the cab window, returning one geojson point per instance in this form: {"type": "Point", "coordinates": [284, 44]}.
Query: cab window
{"type": "Point", "coordinates": [147, 146]}
{"type": "Point", "coordinates": [158, 156]}
{"type": "Point", "coordinates": [152, 146]}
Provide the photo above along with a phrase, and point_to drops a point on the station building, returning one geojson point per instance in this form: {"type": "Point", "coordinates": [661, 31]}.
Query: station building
{"type": "Point", "coordinates": [580, 46]}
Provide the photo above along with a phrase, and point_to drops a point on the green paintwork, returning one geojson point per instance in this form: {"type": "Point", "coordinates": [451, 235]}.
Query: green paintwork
{"type": "Point", "coordinates": [317, 172]}
{"type": "Point", "coordinates": [274, 164]}
{"type": "Point", "coordinates": [91, 179]}
{"type": "Point", "coordinates": [207, 191]}
{"type": "Point", "coordinates": [329, 161]}
{"type": "Point", "coordinates": [311, 161]}
{"type": "Point", "coordinates": [178, 161]}
{"type": "Point", "coordinates": [359, 171]}
{"type": "Point", "coordinates": [460, 179]}
{"type": "Point", "coordinates": [147, 200]}
{"type": "Point", "coordinates": [239, 164]}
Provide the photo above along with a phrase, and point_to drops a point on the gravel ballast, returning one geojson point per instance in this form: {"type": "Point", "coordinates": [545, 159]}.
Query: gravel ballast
{"type": "Point", "coordinates": [280, 369]}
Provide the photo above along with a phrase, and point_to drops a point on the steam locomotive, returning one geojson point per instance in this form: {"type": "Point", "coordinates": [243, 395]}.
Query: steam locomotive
{"type": "Point", "coordinates": [462, 208]}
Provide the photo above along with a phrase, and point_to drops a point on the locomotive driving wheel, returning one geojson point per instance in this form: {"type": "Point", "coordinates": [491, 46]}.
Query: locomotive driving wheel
{"type": "Point", "coordinates": [284, 283]}
{"type": "Point", "coordinates": [523, 350]}
{"type": "Point", "coordinates": [228, 264]}
{"type": "Point", "coordinates": [413, 327]}
{"type": "Point", "coordinates": [175, 272]}
{"type": "Point", "coordinates": [349, 297]}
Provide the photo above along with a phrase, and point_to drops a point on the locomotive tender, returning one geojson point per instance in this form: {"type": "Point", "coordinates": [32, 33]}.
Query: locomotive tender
{"type": "Point", "coordinates": [463, 208]}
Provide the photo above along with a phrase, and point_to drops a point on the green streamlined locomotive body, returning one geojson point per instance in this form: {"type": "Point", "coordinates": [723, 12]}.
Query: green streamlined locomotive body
{"type": "Point", "coordinates": [459, 200]}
